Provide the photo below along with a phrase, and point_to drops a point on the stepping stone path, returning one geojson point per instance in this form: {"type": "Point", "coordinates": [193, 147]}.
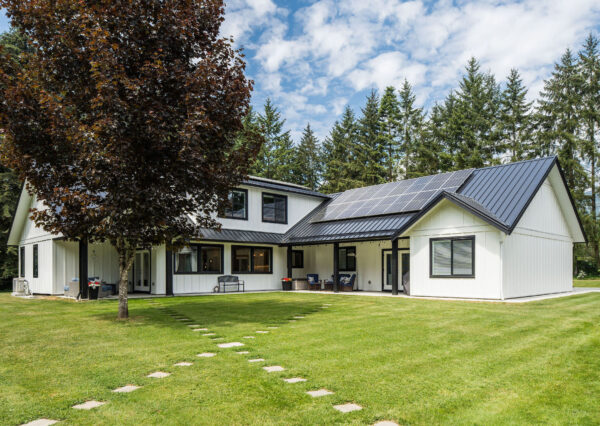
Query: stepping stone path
{"type": "Point", "coordinates": [230, 345]}
{"type": "Point", "coordinates": [347, 408]}
{"type": "Point", "coordinates": [126, 389]}
{"type": "Point", "coordinates": [206, 355]}
{"type": "Point", "coordinates": [88, 405]}
{"type": "Point", "coordinates": [385, 423]}
{"type": "Point", "coordinates": [273, 368]}
{"type": "Point", "coordinates": [41, 422]}
{"type": "Point", "coordinates": [209, 334]}
{"type": "Point", "coordinates": [256, 360]}
{"type": "Point", "coordinates": [294, 380]}
{"type": "Point", "coordinates": [158, 375]}
{"type": "Point", "coordinates": [262, 332]}
{"type": "Point", "coordinates": [320, 392]}
{"type": "Point", "coordinates": [242, 352]}
{"type": "Point", "coordinates": [183, 364]}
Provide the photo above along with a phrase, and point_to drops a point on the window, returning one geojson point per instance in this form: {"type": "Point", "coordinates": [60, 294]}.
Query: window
{"type": "Point", "coordinates": [238, 199]}
{"type": "Point", "coordinates": [35, 261]}
{"type": "Point", "coordinates": [347, 259]}
{"type": "Point", "coordinates": [251, 260]}
{"type": "Point", "coordinates": [274, 208]}
{"type": "Point", "coordinates": [452, 257]}
{"type": "Point", "coordinates": [199, 259]}
{"type": "Point", "coordinates": [297, 259]}
{"type": "Point", "coordinates": [22, 263]}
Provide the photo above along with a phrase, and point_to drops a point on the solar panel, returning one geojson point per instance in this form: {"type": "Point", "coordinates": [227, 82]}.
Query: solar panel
{"type": "Point", "coordinates": [391, 198]}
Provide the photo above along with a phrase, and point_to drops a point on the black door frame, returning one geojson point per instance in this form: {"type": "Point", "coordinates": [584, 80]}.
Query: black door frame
{"type": "Point", "coordinates": [133, 290]}
{"type": "Point", "coordinates": [401, 251]}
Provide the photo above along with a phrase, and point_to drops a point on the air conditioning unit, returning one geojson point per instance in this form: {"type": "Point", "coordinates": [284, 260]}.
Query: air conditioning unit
{"type": "Point", "coordinates": [21, 287]}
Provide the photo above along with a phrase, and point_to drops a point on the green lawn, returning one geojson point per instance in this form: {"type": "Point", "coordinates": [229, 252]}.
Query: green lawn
{"type": "Point", "coordinates": [588, 282]}
{"type": "Point", "coordinates": [411, 361]}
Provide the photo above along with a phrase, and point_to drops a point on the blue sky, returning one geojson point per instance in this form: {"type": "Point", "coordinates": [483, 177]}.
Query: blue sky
{"type": "Point", "coordinates": [314, 57]}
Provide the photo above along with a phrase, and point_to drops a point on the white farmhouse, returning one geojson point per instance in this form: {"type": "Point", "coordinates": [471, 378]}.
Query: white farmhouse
{"type": "Point", "coordinates": [493, 233]}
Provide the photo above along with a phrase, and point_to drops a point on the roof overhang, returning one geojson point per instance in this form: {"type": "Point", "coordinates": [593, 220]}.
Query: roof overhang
{"type": "Point", "coordinates": [20, 217]}
{"type": "Point", "coordinates": [556, 177]}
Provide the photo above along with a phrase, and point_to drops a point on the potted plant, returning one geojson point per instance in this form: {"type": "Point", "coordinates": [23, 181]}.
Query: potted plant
{"type": "Point", "coordinates": [93, 288]}
{"type": "Point", "coordinates": [286, 283]}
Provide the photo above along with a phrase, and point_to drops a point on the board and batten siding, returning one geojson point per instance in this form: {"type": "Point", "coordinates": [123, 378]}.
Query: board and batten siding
{"type": "Point", "coordinates": [449, 220]}
{"type": "Point", "coordinates": [538, 255]}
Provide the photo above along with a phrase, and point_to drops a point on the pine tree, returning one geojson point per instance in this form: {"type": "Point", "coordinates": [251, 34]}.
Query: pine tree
{"type": "Point", "coordinates": [515, 118]}
{"type": "Point", "coordinates": [389, 116]}
{"type": "Point", "coordinates": [307, 164]}
{"type": "Point", "coordinates": [370, 153]}
{"type": "Point", "coordinates": [589, 70]}
{"type": "Point", "coordinates": [271, 125]}
{"type": "Point", "coordinates": [444, 133]}
{"type": "Point", "coordinates": [411, 130]}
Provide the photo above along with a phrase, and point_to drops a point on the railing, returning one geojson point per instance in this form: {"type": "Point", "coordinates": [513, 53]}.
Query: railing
{"type": "Point", "coordinates": [21, 287]}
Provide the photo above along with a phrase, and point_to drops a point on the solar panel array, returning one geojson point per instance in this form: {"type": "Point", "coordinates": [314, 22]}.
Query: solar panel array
{"type": "Point", "coordinates": [391, 198]}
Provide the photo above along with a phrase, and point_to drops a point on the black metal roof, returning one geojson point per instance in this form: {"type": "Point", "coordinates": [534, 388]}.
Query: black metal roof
{"type": "Point", "coordinates": [240, 236]}
{"type": "Point", "coordinates": [499, 195]}
{"type": "Point", "coordinates": [282, 186]}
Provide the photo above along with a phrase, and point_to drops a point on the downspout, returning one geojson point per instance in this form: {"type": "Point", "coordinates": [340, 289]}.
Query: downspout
{"type": "Point", "coordinates": [502, 238]}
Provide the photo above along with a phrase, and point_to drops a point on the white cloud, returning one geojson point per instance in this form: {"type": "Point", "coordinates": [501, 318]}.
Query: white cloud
{"type": "Point", "coordinates": [387, 69]}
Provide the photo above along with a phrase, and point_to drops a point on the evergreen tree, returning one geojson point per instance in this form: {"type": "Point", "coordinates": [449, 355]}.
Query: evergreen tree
{"type": "Point", "coordinates": [389, 116]}
{"type": "Point", "coordinates": [284, 155]}
{"type": "Point", "coordinates": [589, 70]}
{"type": "Point", "coordinates": [308, 160]}
{"type": "Point", "coordinates": [515, 118]}
{"type": "Point", "coordinates": [444, 133]}
{"type": "Point", "coordinates": [411, 130]}
{"type": "Point", "coordinates": [271, 126]}
{"type": "Point", "coordinates": [370, 152]}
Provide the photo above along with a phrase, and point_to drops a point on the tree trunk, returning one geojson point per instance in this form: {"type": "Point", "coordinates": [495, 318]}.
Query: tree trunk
{"type": "Point", "coordinates": [126, 257]}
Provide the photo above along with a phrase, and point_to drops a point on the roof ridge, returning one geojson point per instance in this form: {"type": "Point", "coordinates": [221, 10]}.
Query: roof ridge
{"type": "Point", "coordinates": [548, 157]}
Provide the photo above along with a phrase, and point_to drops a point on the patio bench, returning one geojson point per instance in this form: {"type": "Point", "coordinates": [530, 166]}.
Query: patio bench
{"type": "Point", "coordinates": [231, 281]}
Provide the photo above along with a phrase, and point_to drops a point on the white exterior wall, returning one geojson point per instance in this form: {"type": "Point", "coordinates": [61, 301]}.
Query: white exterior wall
{"type": "Point", "coordinates": [158, 270]}
{"type": "Point", "coordinates": [538, 255]}
{"type": "Point", "coordinates": [448, 220]}
{"type": "Point", "coordinates": [66, 264]}
{"type": "Point", "coordinates": [298, 206]}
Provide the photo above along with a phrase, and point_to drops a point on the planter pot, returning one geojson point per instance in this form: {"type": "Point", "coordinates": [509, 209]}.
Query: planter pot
{"type": "Point", "coordinates": [93, 293]}
{"type": "Point", "coordinates": [286, 285]}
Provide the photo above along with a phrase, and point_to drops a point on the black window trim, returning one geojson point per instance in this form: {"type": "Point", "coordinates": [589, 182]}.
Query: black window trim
{"type": "Point", "coordinates": [22, 262]}
{"type": "Point", "coordinates": [262, 207]}
{"type": "Point", "coordinates": [199, 247]}
{"type": "Point", "coordinates": [224, 215]}
{"type": "Point", "coordinates": [294, 252]}
{"type": "Point", "coordinates": [452, 239]}
{"type": "Point", "coordinates": [35, 261]}
{"type": "Point", "coordinates": [252, 248]}
{"type": "Point", "coordinates": [346, 248]}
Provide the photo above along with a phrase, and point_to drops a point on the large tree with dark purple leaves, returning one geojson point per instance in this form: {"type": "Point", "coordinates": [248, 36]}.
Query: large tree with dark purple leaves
{"type": "Point", "coordinates": [125, 119]}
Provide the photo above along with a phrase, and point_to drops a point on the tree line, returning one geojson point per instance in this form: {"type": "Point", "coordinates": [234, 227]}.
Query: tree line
{"type": "Point", "coordinates": [482, 122]}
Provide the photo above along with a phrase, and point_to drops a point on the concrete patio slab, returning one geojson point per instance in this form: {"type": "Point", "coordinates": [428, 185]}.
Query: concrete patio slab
{"type": "Point", "coordinates": [230, 345]}
{"type": "Point", "coordinates": [319, 392]}
{"type": "Point", "coordinates": [126, 389]}
{"type": "Point", "coordinates": [273, 368]}
{"type": "Point", "coordinates": [183, 364]}
{"type": "Point", "coordinates": [206, 355]}
{"type": "Point", "coordinates": [294, 380]}
{"type": "Point", "coordinates": [41, 422]}
{"type": "Point", "coordinates": [347, 408]}
{"type": "Point", "coordinates": [88, 405]}
{"type": "Point", "coordinates": [158, 375]}
{"type": "Point", "coordinates": [256, 360]}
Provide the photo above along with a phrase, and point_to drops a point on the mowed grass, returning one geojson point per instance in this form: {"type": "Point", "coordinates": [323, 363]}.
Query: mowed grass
{"type": "Point", "coordinates": [588, 282]}
{"type": "Point", "coordinates": [410, 361]}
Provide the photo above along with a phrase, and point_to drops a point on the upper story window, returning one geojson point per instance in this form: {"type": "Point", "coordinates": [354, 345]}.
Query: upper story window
{"type": "Point", "coordinates": [274, 208]}
{"type": "Point", "coordinates": [452, 257]}
{"type": "Point", "coordinates": [347, 259]}
{"type": "Point", "coordinates": [199, 259]}
{"type": "Point", "coordinates": [35, 261]}
{"type": "Point", "coordinates": [238, 198]}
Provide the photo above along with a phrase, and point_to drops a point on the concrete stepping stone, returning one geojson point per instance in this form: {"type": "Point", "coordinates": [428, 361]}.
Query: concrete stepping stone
{"type": "Point", "coordinates": [197, 327]}
{"type": "Point", "coordinates": [326, 304]}
{"type": "Point", "coordinates": [209, 334]}
{"type": "Point", "coordinates": [248, 337]}
{"type": "Point", "coordinates": [299, 317]}
{"type": "Point", "coordinates": [347, 408]}
{"type": "Point", "coordinates": [126, 389]}
{"type": "Point", "coordinates": [385, 423]}
{"type": "Point", "coordinates": [206, 355]}
{"type": "Point", "coordinates": [183, 319]}
{"type": "Point", "coordinates": [262, 332]}
{"type": "Point", "coordinates": [88, 405]}
{"type": "Point", "coordinates": [242, 352]}
{"type": "Point", "coordinates": [273, 368]}
{"type": "Point", "coordinates": [294, 380]}
{"type": "Point", "coordinates": [158, 375]}
{"type": "Point", "coordinates": [230, 345]}
{"type": "Point", "coordinates": [320, 392]}
{"type": "Point", "coordinates": [218, 338]}
{"type": "Point", "coordinates": [40, 422]}
{"type": "Point", "coordinates": [256, 360]}
{"type": "Point", "coordinates": [272, 327]}
{"type": "Point", "coordinates": [292, 320]}
{"type": "Point", "coordinates": [183, 364]}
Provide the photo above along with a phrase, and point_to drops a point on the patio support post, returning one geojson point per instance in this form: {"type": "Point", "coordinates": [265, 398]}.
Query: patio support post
{"type": "Point", "coordinates": [394, 268]}
{"type": "Point", "coordinates": [169, 271]}
{"type": "Point", "coordinates": [336, 267]}
{"type": "Point", "coordinates": [83, 268]}
{"type": "Point", "coordinates": [289, 262]}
